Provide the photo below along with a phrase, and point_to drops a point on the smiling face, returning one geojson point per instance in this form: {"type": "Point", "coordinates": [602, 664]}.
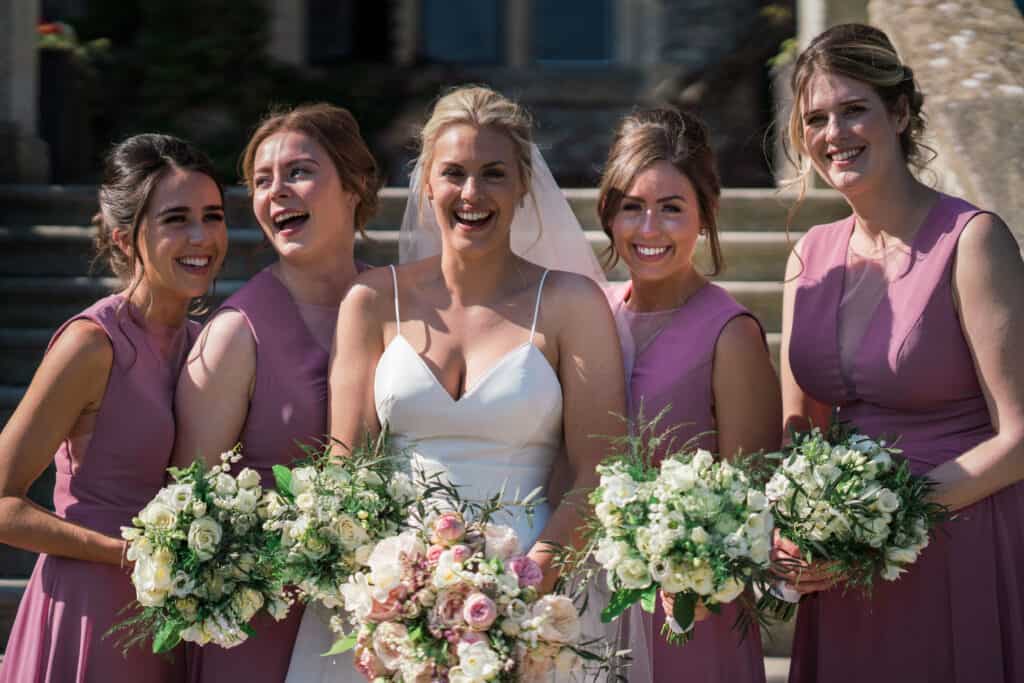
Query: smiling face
{"type": "Point", "coordinates": [474, 184]}
{"type": "Point", "coordinates": [299, 200]}
{"type": "Point", "coordinates": [182, 238]}
{"type": "Point", "coordinates": [850, 135]}
{"type": "Point", "coordinates": [657, 225]}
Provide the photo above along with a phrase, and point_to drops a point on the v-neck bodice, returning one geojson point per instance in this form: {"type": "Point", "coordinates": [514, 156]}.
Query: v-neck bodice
{"type": "Point", "coordinates": [912, 373]}
{"type": "Point", "coordinates": [506, 428]}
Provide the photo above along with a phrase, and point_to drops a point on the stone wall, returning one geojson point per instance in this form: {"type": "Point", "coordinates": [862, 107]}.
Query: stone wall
{"type": "Point", "coordinates": [968, 57]}
{"type": "Point", "coordinates": [23, 156]}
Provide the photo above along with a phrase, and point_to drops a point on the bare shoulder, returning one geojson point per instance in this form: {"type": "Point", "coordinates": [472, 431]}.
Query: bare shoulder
{"type": "Point", "coordinates": [83, 345]}
{"type": "Point", "coordinates": [571, 290]}
{"type": "Point", "coordinates": [228, 330]}
{"type": "Point", "coordinates": [986, 240]}
{"type": "Point", "coordinates": [740, 336]}
{"type": "Point", "coordinates": [371, 294]}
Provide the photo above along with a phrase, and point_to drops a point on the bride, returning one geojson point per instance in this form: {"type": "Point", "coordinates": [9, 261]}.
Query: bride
{"type": "Point", "coordinates": [487, 363]}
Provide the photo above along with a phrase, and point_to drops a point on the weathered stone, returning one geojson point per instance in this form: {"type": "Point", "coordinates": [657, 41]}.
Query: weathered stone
{"type": "Point", "coordinates": [968, 58]}
{"type": "Point", "coordinates": [24, 156]}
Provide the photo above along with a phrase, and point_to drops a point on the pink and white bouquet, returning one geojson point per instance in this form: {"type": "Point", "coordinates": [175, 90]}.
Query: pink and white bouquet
{"type": "Point", "coordinates": [332, 510]}
{"type": "Point", "coordinates": [455, 600]}
{"type": "Point", "coordinates": [204, 567]}
{"type": "Point", "coordinates": [693, 526]}
{"type": "Point", "coordinates": [843, 498]}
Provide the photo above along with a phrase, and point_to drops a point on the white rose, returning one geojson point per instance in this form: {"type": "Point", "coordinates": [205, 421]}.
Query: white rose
{"type": "Point", "coordinates": [677, 476]}
{"type": "Point", "coordinates": [204, 536]}
{"type": "Point", "coordinates": [246, 603]}
{"type": "Point", "coordinates": [702, 460]}
{"type": "Point", "coordinates": [606, 513]}
{"type": "Point", "coordinates": [139, 548]}
{"type": "Point", "coordinates": [557, 618]}
{"type": "Point", "coordinates": [756, 500]}
{"type": "Point", "coordinates": [675, 581]}
{"type": "Point", "coordinates": [224, 485]}
{"type": "Point", "coordinates": [500, 541]}
{"type": "Point", "coordinates": [305, 501]}
{"type": "Point", "coordinates": [478, 661]}
{"type": "Point", "coordinates": [198, 508]}
{"type": "Point", "coordinates": [778, 486]}
{"type": "Point", "coordinates": [729, 591]}
{"type": "Point", "coordinates": [702, 580]}
{"type": "Point", "coordinates": [158, 515]}
{"type": "Point", "coordinates": [610, 553]}
{"type": "Point", "coordinates": [271, 505]}
{"type": "Point", "coordinates": [619, 490]}
{"type": "Point", "coordinates": [152, 581]}
{"type": "Point", "coordinates": [178, 496]}
{"type": "Point", "coordinates": [302, 479]}
{"type": "Point", "coordinates": [314, 547]}
{"type": "Point", "coordinates": [246, 500]}
{"type": "Point", "coordinates": [351, 534]}
{"type": "Point", "coordinates": [632, 572]}
{"type": "Point", "coordinates": [248, 478]}
{"type": "Point", "coordinates": [887, 501]}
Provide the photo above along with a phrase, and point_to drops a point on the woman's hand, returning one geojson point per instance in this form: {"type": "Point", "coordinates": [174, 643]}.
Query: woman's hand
{"type": "Point", "coordinates": [803, 577]}
{"type": "Point", "coordinates": [668, 603]}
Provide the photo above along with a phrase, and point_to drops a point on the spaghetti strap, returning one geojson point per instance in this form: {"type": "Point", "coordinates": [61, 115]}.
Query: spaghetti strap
{"type": "Point", "coordinates": [536, 307]}
{"type": "Point", "coordinates": [398, 320]}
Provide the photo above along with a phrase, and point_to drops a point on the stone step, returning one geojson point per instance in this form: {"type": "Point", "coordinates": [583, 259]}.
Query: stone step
{"type": "Point", "coordinates": [741, 208]}
{"type": "Point", "coordinates": [67, 250]}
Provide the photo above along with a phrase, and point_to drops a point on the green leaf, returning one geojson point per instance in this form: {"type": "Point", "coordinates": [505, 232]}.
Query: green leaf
{"type": "Point", "coordinates": [283, 478]}
{"type": "Point", "coordinates": [682, 611]}
{"type": "Point", "coordinates": [248, 630]}
{"type": "Point", "coordinates": [649, 597]}
{"type": "Point", "coordinates": [343, 644]}
{"type": "Point", "coordinates": [620, 601]}
{"type": "Point", "coordinates": [167, 636]}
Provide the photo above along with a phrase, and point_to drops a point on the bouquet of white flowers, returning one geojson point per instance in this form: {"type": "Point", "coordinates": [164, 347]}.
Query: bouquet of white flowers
{"type": "Point", "coordinates": [331, 512]}
{"type": "Point", "coordinates": [842, 498]}
{"type": "Point", "coordinates": [694, 526]}
{"type": "Point", "coordinates": [203, 565]}
{"type": "Point", "coordinates": [452, 599]}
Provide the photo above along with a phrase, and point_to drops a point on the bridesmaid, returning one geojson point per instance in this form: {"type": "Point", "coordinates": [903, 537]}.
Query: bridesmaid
{"type": "Point", "coordinates": [258, 373]}
{"type": "Point", "coordinates": [100, 405]}
{"type": "Point", "coordinates": [927, 295]}
{"type": "Point", "coordinates": [687, 344]}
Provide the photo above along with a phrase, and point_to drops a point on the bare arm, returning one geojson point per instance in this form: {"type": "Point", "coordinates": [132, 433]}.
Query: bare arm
{"type": "Point", "coordinates": [799, 410]}
{"type": "Point", "coordinates": [212, 399]}
{"type": "Point", "coordinates": [988, 280]}
{"type": "Point", "coordinates": [358, 345]}
{"type": "Point", "coordinates": [70, 381]}
{"type": "Point", "coordinates": [748, 406]}
{"type": "Point", "coordinates": [594, 401]}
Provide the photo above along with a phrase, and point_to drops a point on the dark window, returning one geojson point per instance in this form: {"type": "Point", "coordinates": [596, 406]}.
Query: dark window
{"type": "Point", "coordinates": [468, 31]}
{"type": "Point", "coordinates": [572, 30]}
{"type": "Point", "coordinates": [347, 30]}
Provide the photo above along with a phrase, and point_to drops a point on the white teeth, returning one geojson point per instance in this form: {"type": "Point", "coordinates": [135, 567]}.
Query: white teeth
{"type": "Point", "coordinates": [472, 215]}
{"type": "Point", "coordinates": [843, 156]}
{"type": "Point", "coordinates": [282, 217]}
{"type": "Point", "coordinates": [195, 261]}
{"type": "Point", "coordinates": [651, 251]}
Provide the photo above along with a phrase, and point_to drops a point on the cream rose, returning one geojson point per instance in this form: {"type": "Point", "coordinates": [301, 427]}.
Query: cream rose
{"type": "Point", "coordinates": [204, 536]}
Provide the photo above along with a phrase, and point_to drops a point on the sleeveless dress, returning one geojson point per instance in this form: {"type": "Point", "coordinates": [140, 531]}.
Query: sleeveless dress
{"type": "Point", "coordinates": [506, 428]}
{"type": "Point", "coordinates": [957, 615]}
{"type": "Point", "coordinates": [288, 408]}
{"type": "Point", "coordinates": [675, 369]}
{"type": "Point", "coordinates": [103, 479]}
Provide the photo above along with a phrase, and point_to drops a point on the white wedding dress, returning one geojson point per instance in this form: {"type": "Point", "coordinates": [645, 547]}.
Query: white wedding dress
{"type": "Point", "coordinates": [505, 429]}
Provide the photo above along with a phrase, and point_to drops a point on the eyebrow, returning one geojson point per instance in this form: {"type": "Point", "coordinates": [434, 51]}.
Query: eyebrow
{"type": "Point", "coordinates": [657, 201]}
{"type": "Point", "coordinates": [852, 100]}
{"type": "Point", "coordinates": [290, 162]}
{"type": "Point", "coordinates": [185, 209]}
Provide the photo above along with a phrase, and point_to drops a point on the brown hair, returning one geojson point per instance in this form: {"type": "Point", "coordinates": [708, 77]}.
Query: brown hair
{"type": "Point", "coordinates": [478, 106]}
{"type": "Point", "coordinates": [863, 53]}
{"type": "Point", "coordinates": [336, 130]}
{"type": "Point", "coordinates": [131, 173]}
{"type": "Point", "coordinates": [663, 134]}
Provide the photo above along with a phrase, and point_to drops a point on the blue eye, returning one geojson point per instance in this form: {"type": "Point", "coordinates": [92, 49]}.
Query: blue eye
{"type": "Point", "coordinates": [671, 208]}
{"type": "Point", "coordinates": [299, 172]}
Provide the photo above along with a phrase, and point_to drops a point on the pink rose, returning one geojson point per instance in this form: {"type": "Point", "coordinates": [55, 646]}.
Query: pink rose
{"type": "Point", "coordinates": [479, 611]}
{"type": "Point", "coordinates": [434, 554]}
{"type": "Point", "coordinates": [470, 637]}
{"type": "Point", "coordinates": [461, 553]}
{"type": "Point", "coordinates": [368, 663]}
{"type": "Point", "coordinates": [500, 541]}
{"type": "Point", "coordinates": [448, 608]}
{"type": "Point", "coordinates": [388, 609]}
{"type": "Point", "coordinates": [527, 571]}
{"type": "Point", "coordinates": [449, 529]}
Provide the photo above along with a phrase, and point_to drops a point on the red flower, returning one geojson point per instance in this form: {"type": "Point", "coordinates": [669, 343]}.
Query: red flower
{"type": "Point", "coordinates": [50, 29]}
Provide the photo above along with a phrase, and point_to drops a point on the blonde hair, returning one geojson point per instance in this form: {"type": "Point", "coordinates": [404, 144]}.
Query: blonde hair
{"type": "Point", "coordinates": [480, 107]}
{"type": "Point", "coordinates": [646, 137]}
{"type": "Point", "coordinates": [337, 132]}
{"type": "Point", "coordinates": [863, 53]}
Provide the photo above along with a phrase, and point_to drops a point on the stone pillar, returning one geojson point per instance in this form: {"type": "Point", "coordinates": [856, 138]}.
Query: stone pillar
{"type": "Point", "coordinates": [288, 33]}
{"type": "Point", "coordinates": [517, 33]}
{"type": "Point", "coordinates": [406, 31]}
{"type": "Point", "coordinates": [968, 58]}
{"type": "Point", "coordinates": [25, 157]}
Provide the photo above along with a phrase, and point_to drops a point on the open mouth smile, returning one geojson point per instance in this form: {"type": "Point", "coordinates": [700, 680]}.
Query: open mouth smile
{"type": "Point", "coordinates": [195, 264]}
{"type": "Point", "coordinates": [289, 221]}
{"type": "Point", "coordinates": [844, 156]}
{"type": "Point", "coordinates": [646, 253]}
{"type": "Point", "coordinates": [473, 219]}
